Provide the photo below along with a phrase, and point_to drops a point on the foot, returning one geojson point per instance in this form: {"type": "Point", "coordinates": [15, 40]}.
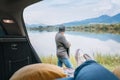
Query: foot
{"type": "Point", "coordinates": [87, 57]}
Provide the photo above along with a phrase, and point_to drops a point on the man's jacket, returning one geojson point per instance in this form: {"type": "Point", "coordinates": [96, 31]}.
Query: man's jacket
{"type": "Point", "coordinates": [62, 46]}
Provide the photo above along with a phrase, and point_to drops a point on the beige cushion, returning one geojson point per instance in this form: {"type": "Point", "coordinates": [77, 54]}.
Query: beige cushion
{"type": "Point", "coordinates": [39, 71]}
{"type": "Point", "coordinates": [116, 71]}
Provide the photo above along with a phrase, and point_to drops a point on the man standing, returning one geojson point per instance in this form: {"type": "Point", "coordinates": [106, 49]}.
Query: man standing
{"type": "Point", "coordinates": [62, 48]}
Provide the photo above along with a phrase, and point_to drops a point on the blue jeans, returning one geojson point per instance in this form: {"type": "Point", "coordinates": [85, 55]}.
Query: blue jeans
{"type": "Point", "coordinates": [91, 70]}
{"type": "Point", "coordinates": [66, 61]}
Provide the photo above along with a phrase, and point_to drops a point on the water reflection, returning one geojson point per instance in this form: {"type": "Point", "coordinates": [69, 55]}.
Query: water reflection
{"type": "Point", "coordinates": [91, 43]}
{"type": "Point", "coordinates": [100, 36]}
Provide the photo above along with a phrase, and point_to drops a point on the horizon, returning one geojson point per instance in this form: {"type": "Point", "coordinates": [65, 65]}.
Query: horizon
{"type": "Point", "coordinates": [54, 12]}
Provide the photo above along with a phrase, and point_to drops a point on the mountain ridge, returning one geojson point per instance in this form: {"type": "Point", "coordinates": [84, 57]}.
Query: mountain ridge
{"type": "Point", "coordinates": [103, 19]}
{"type": "Point", "coordinates": [98, 20]}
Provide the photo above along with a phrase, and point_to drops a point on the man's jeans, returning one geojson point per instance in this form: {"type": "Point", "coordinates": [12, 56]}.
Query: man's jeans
{"type": "Point", "coordinates": [66, 61]}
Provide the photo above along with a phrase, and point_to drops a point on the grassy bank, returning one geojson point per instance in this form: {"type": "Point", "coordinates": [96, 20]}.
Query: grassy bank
{"type": "Point", "coordinates": [107, 60]}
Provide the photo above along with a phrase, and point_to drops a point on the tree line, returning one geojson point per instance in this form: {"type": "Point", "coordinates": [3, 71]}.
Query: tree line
{"type": "Point", "coordinates": [96, 28]}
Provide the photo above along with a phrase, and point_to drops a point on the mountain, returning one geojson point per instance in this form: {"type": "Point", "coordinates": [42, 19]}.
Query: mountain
{"type": "Point", "coordinates": [34, 25]}
{"type": "Point", "coordinates": [101, 19]}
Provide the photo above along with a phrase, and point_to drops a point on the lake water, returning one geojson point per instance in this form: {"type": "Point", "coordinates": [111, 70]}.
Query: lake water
{"type": "Point", "coordinates": [91, 43]}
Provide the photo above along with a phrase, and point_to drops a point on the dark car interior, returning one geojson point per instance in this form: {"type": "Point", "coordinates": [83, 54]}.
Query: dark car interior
{"type": "Point", "coordinates": [15, 48]}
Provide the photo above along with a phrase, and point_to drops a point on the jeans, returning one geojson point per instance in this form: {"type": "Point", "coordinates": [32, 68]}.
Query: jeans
{"type": "Point", "coordinates": [66, 61]}
{"type": "Point", "coordinates": [91, 70]}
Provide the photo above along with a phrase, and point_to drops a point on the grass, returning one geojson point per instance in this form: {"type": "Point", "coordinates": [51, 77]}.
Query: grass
{"type": "Point", "coordinates": [49, 59]}
{"type": "Point", "coordinates": [107, 60]}
{"type": "Point", "coordinates": [53, 60]}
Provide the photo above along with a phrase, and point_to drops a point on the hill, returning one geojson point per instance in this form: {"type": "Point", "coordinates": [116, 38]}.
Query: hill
{"type": "Point", "coordinates": [101, 19]}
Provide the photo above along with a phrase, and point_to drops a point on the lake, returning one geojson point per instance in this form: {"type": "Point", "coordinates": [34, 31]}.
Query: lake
{"type": "Point", "coordinates": [91, 43]}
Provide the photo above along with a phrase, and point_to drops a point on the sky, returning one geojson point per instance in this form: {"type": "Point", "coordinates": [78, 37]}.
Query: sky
{"type": "Point", "coordinates": [53, 12]}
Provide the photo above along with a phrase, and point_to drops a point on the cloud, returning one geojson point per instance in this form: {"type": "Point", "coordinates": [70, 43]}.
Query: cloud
{"type": "Point", "coordinates": [62, 11]}
{"type": "Point", "coordinates": [103, 6]}
{"type": "Point", "coordinates": [59, 2]}
{"type": "Point", "coordinates": [116, 2]}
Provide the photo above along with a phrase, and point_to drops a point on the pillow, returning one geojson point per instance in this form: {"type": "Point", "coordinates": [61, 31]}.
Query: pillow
{"type": "Point", "coordinates": [116, 71]}
{"type": "Point", "coordinates": [39, 71]}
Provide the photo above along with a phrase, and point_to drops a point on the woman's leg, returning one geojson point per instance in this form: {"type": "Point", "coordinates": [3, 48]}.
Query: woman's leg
{"type": "Point", "coordinates": [91, 70]}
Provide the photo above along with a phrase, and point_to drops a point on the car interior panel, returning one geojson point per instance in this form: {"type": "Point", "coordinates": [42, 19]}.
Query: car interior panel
{"type": "Point", "coordinates": [16, 50]}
